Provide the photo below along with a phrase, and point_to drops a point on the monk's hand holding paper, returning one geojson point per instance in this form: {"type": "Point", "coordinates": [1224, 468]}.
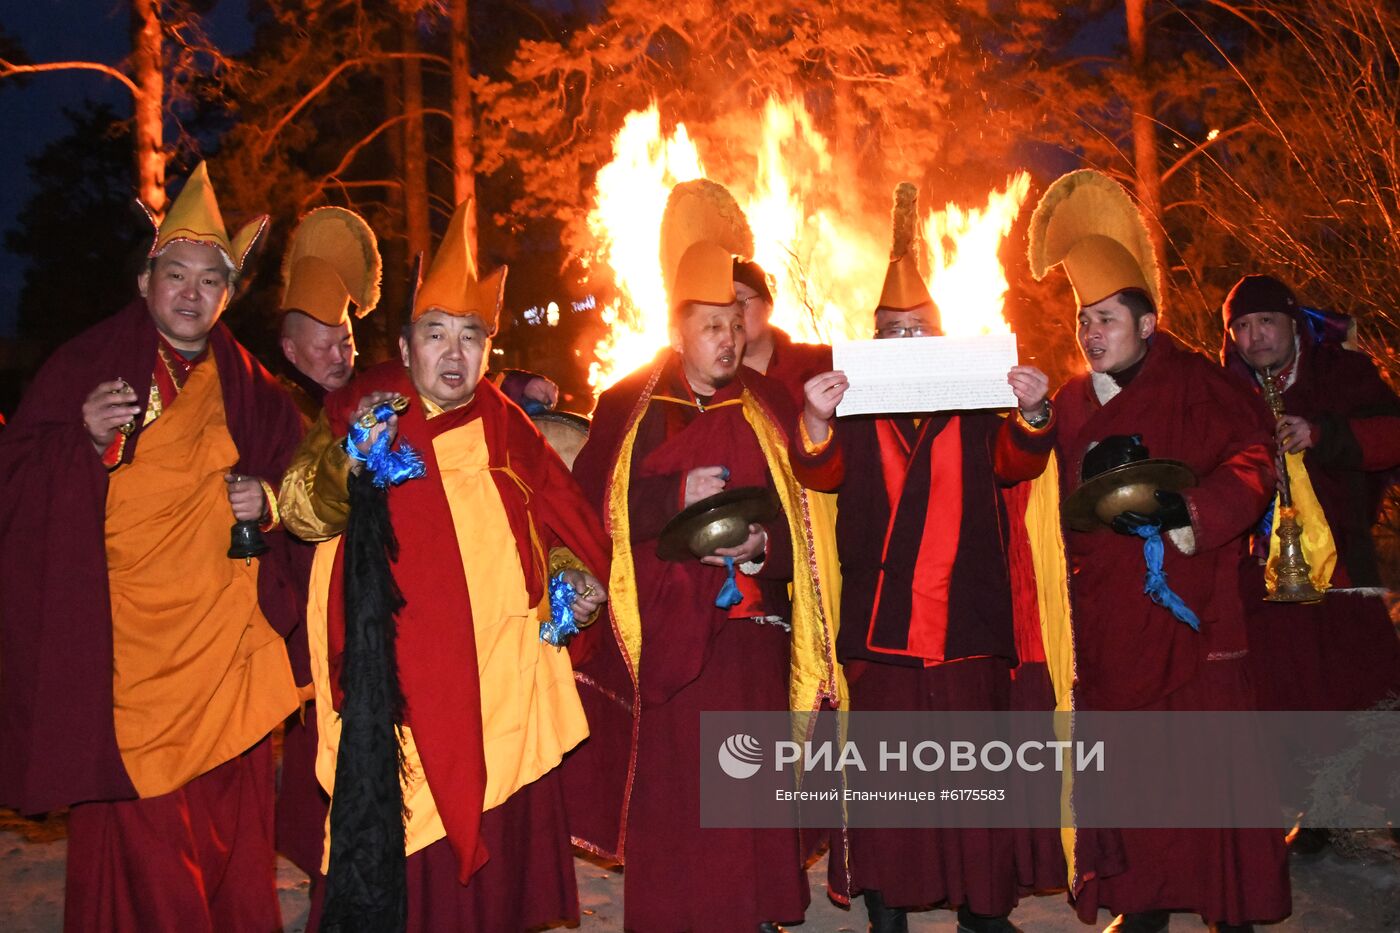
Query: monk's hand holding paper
{"type": "Point", "coordinates": [703, 482]}
{"type": "Point", "coordinates": [109, 406]}
{"type": "Point", "coordinates": [591, 593]}
{"type": "Point", "coordinates": [823, 393]}
{"type": "Point", "coordinates": [389, 426]}
{"type": "Point", "coordinates": [753, 549]}
{"type": "Point", "coordinates": [245, 495]}
{"type": "Point", "coordinates": [1031, 388]}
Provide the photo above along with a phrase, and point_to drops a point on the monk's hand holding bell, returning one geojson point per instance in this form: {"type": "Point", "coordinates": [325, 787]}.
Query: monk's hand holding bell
{"type": "Point", "coordinates": [246, 496]}
{"type": "Point", "coordinates": [107, 408]}
{"type": "Point", "coordinates": [703, 482]}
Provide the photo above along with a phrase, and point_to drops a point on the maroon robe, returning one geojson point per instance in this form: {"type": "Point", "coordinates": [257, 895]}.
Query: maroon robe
{"type": "Point", "coordinates": [1131, 654]}
{"type": "Point", "coordinates": [1341, 653]}
{"type": "Point", "coordinates": [924, 539]}
{"type": "Point", "coordinates": [695, 658]}
{"type": "Point", "coordinates": [436, 651]}
{"type": "Point", "coordinates": [56, 723]}
{"type": "Point", "coordinates": [792, 364]}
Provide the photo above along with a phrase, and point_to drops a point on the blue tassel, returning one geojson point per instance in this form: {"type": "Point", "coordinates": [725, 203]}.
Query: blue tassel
{"type": "Point", "coordinates": [386, 467]}
{"type": "Point", "coordinates": [729, 595]}
{"type": "Point", "coordinates": [1156, 587]}
{"type": "Point", "coordinates": [1266, 524]}
{"type": "Point", "coordinates": [533, 407]}
{"type": "Point", "coordinates": [561, 625]}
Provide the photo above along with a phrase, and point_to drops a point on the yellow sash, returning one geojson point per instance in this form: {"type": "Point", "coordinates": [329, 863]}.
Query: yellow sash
{"type": "Point", "coordinates": [1318, 545]}
{"type": "Point", "coordinates": [815, 673]}
{"type": "Point", "coordinates": [1052, 598]}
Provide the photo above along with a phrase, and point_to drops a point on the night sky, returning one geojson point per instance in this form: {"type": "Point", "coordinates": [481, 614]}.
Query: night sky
{"type": "Point", "coordinates": [31, 110]}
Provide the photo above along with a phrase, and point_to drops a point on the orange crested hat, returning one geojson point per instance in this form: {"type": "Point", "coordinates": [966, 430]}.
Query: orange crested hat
{"type": "Point", "coordinates": [904, 287]}
{"type": "Point", "coordinates": [1088, 223]}
{"type": "Point", "coordinates": [194, 217]}
{"type": "Point", "coordinates": [332, 260]}
{"type": "Point", "coordinates": [703, 229]}
{"type": "Point", "coordinates": [452, 286]}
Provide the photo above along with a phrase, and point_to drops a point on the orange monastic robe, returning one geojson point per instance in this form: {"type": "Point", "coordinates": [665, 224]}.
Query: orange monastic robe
{"type": "Point", "coordinates": [199, 675]}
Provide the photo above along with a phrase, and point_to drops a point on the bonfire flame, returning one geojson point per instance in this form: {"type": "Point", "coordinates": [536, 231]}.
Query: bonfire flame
{"type": "Point", "coordinates": [827, 260]}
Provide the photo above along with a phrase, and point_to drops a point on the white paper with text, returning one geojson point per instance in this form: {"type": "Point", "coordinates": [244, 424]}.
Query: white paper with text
{"type": "Point", "coordinates": [926, 374]}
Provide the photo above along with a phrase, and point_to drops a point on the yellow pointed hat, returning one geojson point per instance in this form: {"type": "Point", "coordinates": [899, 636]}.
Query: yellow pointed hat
{"type": "Point", "coordinates": [332, 260]}
{"type": "Point", "coordinates": [904, 287]}
{"type": "Point", "coordinates": [1086, 221]}
{"type": "Point", "coordinates": [194, 217]}
{"type": "Point", "coordinates": [451, 285]}
{"type": "Point", "coordinates": [702, 230]}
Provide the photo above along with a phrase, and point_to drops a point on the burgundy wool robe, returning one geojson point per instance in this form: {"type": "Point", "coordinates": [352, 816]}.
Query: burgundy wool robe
{"type": "Point", "coordinates": [925, 538]}
{"type": "Point", "coordinates": [678, 876]}
{"type": "Point", "coordinates": [56, 644]}
{"type": "Point", "coordinates": [792, 364]}
{"type": "Point", "coordinates": [1341, 653]}
{"type": "Point", "coordinates": [1131, 654]}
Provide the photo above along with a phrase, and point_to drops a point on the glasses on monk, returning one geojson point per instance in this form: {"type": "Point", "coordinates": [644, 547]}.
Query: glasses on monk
{"type": "Point", "coordinates": [895, 331]}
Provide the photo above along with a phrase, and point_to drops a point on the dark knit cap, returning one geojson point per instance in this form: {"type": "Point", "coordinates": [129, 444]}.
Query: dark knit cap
{"type": "Point", "coordinates": [751, 274]}
{"type": "Point", "coordinates": [1258, 293]}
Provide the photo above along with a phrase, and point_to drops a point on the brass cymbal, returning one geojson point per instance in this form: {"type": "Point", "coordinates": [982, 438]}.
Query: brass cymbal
{"type": "Point", "coordinates": [722, 520]}
{"type": "Point", "coordinates": [1127, 488]}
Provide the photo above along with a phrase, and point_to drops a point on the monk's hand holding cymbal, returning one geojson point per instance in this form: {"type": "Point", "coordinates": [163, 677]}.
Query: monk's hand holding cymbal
{"type": "Point", "coordinates": [822, 394]}
{"type": "Point", "coordinates": [107, 408]}
{"type": "Point", "coordinates": [703, 482]}
{"type": "Point", "coordinates": [751, 551]}
{"type": "Point", "coordinates": [246, 496]}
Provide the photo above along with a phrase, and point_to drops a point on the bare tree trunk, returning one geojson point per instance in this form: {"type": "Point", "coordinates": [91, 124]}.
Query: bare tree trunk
{"type": "Point", "coordinates": [1149, 178]}
{"type": "Point", "coordinates": [415, 157]}
{"type": "Point", "coordinates": [463, 118]}
{"type": "Point", "coordinates": [147, 60]}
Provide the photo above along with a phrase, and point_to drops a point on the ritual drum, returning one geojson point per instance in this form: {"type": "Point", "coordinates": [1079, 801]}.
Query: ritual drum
{"type": "Point", "coordinates": [564, 431]}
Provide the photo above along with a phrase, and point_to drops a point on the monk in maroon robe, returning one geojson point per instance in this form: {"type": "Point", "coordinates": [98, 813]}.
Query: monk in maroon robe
{"type": "Point", "coordinates": [123, 621]}
{"type": "Point", "coordinates": [1132, 654]}
{"type": "Point", "coordinates": [697, 656]}
{"type": "Point", "coordinates": [927, 623]}
{"type": "Point", "coordinates": [1343, 421]}
{"type": "Point", "coordinates": [769, 349]}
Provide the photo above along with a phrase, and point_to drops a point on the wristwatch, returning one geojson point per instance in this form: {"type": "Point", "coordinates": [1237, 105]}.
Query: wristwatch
{"type": "Point", "coordinates": [1040, 420]}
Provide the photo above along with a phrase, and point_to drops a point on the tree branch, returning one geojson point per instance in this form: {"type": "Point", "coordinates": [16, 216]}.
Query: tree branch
{"type": "Point", "coordinates": [325, 82]}
{"type": "Point", "coordinates": [1203, 146]}
{"type": "Point", "coordinates": [374, 134]}
{"type": "Point", "coordinates": [8, 68]}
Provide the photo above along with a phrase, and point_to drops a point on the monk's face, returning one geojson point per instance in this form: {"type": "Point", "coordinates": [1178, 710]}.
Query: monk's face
{"type": "Point", "coordinates": [922, 321]}
{"type": "Point", "coordinates": [187, 289]}
{"type": "Point", "coordinates": [710, 340]}
{"type": "Point", "coordinates": [446, 356]}
{"type": "Point", "coordinates": [756, 313]}
{"type": "Point", "coordinates": [323, 353]}
{"type": "Point", "coordinates": [1110, 339]}
{"type": "Point", "coordinates": [1265, 339]}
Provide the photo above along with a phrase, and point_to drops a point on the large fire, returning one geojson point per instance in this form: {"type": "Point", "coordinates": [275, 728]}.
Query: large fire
{"type": "Point", "coordinates": [827, 258]}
